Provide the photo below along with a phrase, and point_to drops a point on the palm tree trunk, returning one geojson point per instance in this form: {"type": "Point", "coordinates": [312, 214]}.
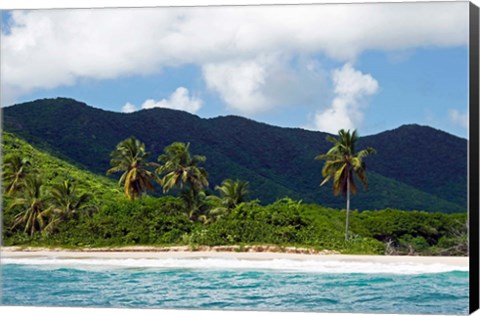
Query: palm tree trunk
{"type": "Point", "coordinates": [348, 210]}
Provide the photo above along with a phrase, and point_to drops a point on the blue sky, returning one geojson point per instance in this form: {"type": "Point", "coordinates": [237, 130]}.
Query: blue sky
{"type": "Point", "coordinates": [325, 67]}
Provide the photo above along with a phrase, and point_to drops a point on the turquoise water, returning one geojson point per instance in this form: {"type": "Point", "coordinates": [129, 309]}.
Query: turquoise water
{"type": "Point", "coordinates": [239, 285]}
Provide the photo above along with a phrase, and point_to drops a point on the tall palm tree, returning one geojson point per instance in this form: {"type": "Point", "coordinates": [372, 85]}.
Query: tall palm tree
{"type": "Point", "coordinates": [180, 169]}
{"type": "Point", "coordinates": [66, 202]}
{"type": "Point", "coordinates": [15, 170]}
{"type": "Point", "coordinates": [130, 158]}
{"type": "Point", "coordinates": [342, 163]}
{"type": "Point", "coordinates": [34, 214]}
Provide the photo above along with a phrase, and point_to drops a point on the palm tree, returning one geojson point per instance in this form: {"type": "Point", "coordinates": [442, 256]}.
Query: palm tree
{"type": "Point", "coordinates": [131, 158]}
{"type": "Point", "coordinates": [232, 193]}
{"type": "Point", "coordinates": [15, 171]}
{"type": "Point", "coordinates": [196, 205]}
{"type": "Point", "coordinates": [33, 204]}
{"type": "Point", "coordinates": [66, 202]}
{"type": "Point", "coordinates": [342, 163]}
{"type": "Point", "coordinates": [180, 169]}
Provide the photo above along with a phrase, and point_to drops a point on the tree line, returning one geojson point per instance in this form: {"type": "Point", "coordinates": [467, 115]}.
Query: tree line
{"type": "Point", "coordinates": [42, 208]}
{"type": "Point", "coordinates": [68, 216]}
{"type": "Point", "coordinates": [176, 169]}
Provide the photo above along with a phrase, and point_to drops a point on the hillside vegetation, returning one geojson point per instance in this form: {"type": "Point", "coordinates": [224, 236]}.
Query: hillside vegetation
{"type": "Point", "coordinates": [54, 169]}
{"type": "Point", "coordinates": [415, 168]}
{"type": "Point", "coordinates": [167, 220]}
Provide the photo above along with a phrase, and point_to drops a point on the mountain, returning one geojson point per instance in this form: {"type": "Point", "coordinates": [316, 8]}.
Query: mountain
{"type": "Point", "coordinates": [416, 167]}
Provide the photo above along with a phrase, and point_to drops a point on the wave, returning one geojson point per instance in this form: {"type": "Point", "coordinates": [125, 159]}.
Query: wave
{"type": "Point", "coordinates": [309, 266]}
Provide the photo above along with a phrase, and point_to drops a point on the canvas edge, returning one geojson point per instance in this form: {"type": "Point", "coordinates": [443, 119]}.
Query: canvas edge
{"type": "Point", "coordinates": [473, 202]}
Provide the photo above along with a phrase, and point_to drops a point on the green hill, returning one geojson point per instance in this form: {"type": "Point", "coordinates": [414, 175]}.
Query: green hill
{"type": "Point", "coordinates": [416, 167]}
{"type": "Point", "coordinates": [54, 169]}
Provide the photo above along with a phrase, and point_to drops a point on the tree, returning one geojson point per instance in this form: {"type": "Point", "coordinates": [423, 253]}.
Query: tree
{"type": "Point", "coordinates": [34, 214]}
{"type": "Point", "coordinates": [180, 169]}
{"type": "Point", "coordinates": [232, 193]}
{"type": "Point", "coordinates": [131, 158]}
{"type": "Point", "coordinates": [196, 206]}
{"type": "Point", "coordinates": [16, 169]}
{"type": "Point", "coordinates": [342, 163]}
{"type": "Point", "coordinates": [66, 202]}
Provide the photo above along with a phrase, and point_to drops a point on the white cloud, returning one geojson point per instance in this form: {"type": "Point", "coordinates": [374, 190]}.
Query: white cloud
{"type": "Point", "coordinates": [239, 84]}
{"type": "Point", "coordinates": [458, 118]}
{"type": "Point", "coordinates": [346, 111]}
{"type": "Point", "coordinates": [178, 100]}
{"type": "Point", "coordinates": [45, 49]}
{"type": "Point", "coordinates": [256, 85]}
{"type": "Point", "coordinates": [129, 108]}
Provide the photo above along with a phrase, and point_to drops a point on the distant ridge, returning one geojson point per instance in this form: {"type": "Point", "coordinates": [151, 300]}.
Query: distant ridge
{"type": "Point", "coordinates": [416, 167]}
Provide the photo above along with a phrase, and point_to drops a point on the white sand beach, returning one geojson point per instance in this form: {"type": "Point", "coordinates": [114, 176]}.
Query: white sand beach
{"type": "Point", "coordinates": [184, 253]}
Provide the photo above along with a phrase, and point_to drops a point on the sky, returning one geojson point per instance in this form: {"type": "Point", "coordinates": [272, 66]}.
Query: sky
{"type": "Point", "coordinates": [370, 67]}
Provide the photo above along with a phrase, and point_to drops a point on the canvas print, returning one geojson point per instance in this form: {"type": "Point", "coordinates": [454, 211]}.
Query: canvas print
{"type": "Point", "coordinates": [309, 158]}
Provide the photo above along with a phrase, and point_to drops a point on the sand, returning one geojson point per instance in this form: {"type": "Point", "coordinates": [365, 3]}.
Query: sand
{"type": "Point", "coordinates": [182, 252]}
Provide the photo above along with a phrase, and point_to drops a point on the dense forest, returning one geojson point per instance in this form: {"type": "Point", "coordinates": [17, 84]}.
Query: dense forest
{"type": "Point", "coordinates": [277, 162]}
{"type": "Point", "coordinates": [50, 201]}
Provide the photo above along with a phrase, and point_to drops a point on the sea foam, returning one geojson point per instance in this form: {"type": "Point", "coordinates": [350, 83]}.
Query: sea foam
{"type": "Point", "coordinates": [287, 265]}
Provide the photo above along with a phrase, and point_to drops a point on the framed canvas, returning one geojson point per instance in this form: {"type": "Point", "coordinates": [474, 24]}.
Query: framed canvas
{"type": "Point", "coordinates": [298, 158]}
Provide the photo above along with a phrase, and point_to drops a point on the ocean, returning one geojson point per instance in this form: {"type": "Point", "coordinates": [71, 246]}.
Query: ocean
{"type": "Point", "coordinates": [237, 284]}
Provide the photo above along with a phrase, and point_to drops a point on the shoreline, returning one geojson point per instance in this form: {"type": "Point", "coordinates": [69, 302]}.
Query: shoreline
{"type": "Point", "coordinates": [184, 253]}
